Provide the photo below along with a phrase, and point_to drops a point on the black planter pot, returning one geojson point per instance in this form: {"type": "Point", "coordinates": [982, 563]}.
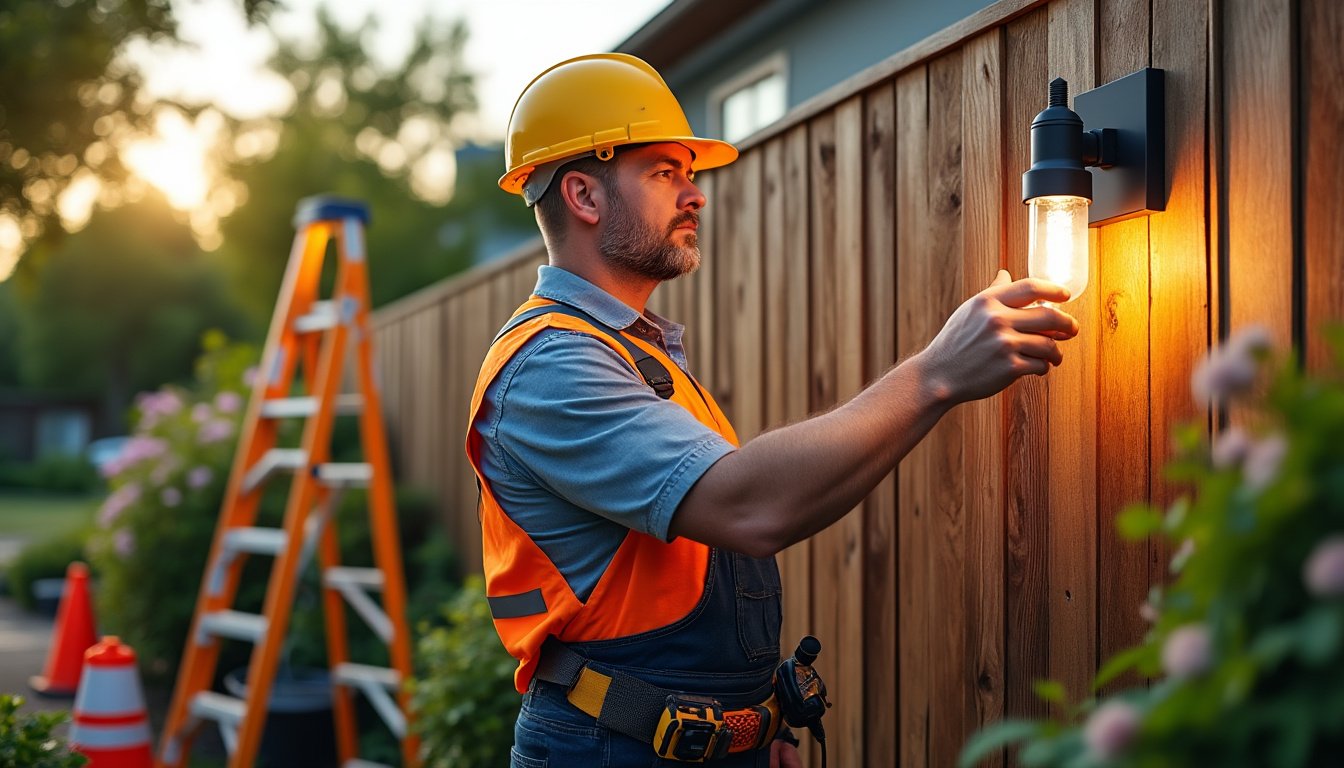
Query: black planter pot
{"type": "Point", "coordinates": [299, 731]}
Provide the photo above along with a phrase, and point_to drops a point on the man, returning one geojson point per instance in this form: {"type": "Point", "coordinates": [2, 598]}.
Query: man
{"type": "Point", "coordinates": [629, 541]}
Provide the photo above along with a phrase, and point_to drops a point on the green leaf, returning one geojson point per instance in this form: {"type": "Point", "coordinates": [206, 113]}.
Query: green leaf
{"type": "Point", "coordinates": [1119, 664]}
{"type": "Point", "coordinates": [1138, 521]}
{"type": "Point", "coordinates": [1320, 636]}
{"type": "Point", "coordinates": [1051, 691]}
{"type": "Point", "coordinates": [996, 737]}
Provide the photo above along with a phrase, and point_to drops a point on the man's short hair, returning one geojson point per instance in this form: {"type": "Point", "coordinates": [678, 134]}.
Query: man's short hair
{"type": "Point", "coordinates": [552, 216]}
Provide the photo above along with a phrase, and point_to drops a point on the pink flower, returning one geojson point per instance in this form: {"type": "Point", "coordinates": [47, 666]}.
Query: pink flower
{"type": "Point", "coordinates": [1187, 651]}
{"type": "Point", "coordinates": [117, 503]}
{"type": "Point", "coordinates": [164, 470]}
{"type": "Point", "coordinates": [136, 450]}
{"type": "Point", "coordinates": [201, 413]}
{"type": "Point", "coordinates": [156, 405]}
{"type": "Point", "coordinates": [1229, 448]}
{"type": "Point", "coordinates": [228, 402]}
{"type": "Point", "coordinates": [1323, 571]}
{"type": "Point", "coordinates": [1148, 612]}
{"type": "Point", "coordinates": [170, 497]}
{"type": "Point", "coordinates": [1111, 729]}
{"type": "Point", "coordinates": [1263, 459]}
{"type": "Point", "coordinates": [1230, 369]}
{"type": "Point", "coordinates": [123, 541]}
{"type": "Point", "coordinates": [250, 376]}
{"type": "Point", "coordinates": [199, 477]}
{"type": "Point", "coordinates": [215, 430]}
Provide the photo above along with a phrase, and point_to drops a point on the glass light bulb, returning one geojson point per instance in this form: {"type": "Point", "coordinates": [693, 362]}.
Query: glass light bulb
{"type": "Point", "coordinates": [1058, 241]}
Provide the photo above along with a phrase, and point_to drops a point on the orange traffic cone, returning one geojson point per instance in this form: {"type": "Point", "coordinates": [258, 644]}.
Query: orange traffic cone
{"type": "Point", "coordinates": [73, 635]}
{"type": "Point", "coordinates": [110, 725]}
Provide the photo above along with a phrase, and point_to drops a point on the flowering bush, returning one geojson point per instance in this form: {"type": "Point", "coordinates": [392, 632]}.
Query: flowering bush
{"type": "Point", "coordinates": [155, 527]}
{"type": "Point", "coordinates": [1246, 650]}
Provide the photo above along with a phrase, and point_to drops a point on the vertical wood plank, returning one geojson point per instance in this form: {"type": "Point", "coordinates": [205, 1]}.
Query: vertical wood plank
{"type": "Point", "coordinates": [1122, 285]}
{"type": "Point", "coordinates": [478, 328]}
{"type": "Point", "coordinates": [796, 561]}
{"type": "Point", "coordinates": [1179, 265]}
{"type": "Point", "coordinates": [836, 375]}
{"type": "Point", "coordinates": [1073, 423]}
{"type": "Point", "coordinates": [982, 105]}
{"type": "Point", "coordinates": [913, 332]}
{"type": "Point", "coordinates": [775, 276]}
{"type": "Point", "coordinates": [727, 264]}
{"type": "Point", "coordinates": [879, 584]}
{"type": "Point", "coordinates": [1257, 66]}
{"type": "Point", "coordinates": [951, 718]}
{"type": "Point", "coordinates": [1027, 473]}
{"type": "Point", "coordinates": [700, 326]}
{"type": "Point", "coordinates": [457, 377]}
{"type": "Point", "coordinates": [743, 311]}
{"type": "Point", "coordinates": [1323, 165]}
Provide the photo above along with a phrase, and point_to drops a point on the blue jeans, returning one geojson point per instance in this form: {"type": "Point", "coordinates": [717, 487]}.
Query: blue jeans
{"type": "Point", "coordinates": [552, 733]}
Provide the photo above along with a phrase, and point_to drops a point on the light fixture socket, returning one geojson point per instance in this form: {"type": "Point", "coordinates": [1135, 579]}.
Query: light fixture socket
{"type": "Point", "coordinates": [1119, 163]}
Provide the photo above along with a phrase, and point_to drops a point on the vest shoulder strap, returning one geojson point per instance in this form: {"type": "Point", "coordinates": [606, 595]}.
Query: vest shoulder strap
{"type": "Point", "coordinates": [653, 372]}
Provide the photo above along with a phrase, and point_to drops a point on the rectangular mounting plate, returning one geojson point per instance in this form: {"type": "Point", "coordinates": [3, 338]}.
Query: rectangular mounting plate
{"type": "Point", "coordinates": [1136, 185]}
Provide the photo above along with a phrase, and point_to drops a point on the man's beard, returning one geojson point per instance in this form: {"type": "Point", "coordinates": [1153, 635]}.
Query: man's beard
{"type": "Point", "coordinates": [627, 242]}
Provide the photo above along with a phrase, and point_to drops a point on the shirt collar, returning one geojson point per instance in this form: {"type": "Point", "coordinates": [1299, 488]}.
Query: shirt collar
{"type": "Point", "coordinates": [556, 284]}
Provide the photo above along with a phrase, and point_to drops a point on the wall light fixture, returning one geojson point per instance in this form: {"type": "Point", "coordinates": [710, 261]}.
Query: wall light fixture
{"type": "Point", "coordinates": [1083, 176]}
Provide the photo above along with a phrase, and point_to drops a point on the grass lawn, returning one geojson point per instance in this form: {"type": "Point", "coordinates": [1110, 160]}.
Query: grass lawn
{"type": "Point", "coordinates": [41, 515]}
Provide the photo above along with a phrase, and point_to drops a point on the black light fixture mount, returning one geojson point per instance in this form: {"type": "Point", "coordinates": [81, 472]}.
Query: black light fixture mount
{"type": "Point", "coordinates": [1111, 150]}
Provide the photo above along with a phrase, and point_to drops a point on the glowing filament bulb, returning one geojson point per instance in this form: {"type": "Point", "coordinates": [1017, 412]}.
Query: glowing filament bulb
{"type": "Point", "coordinates": [1058, 241]}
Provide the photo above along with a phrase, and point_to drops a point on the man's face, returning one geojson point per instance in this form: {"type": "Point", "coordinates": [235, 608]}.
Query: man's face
{"type": "Point", "coordinates": [653, 213]}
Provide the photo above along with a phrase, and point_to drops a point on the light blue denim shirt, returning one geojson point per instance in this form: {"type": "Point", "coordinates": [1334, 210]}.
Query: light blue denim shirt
{"type": "Point", "coordinates": [578, 449]}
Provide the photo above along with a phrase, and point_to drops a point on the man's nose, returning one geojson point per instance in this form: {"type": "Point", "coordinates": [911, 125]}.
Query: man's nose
{"type": "Point", "coordinates": [695, 199]}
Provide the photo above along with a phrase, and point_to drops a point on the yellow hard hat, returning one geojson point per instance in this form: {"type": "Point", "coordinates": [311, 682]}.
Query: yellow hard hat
{"type": "Point", "coordinates": [592, 104]}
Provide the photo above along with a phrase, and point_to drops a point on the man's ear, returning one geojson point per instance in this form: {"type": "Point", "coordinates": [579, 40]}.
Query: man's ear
{"type": "Point", "coordinates": [584, 196]}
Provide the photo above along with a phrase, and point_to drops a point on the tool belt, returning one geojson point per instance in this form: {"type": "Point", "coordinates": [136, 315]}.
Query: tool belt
{"type": "Point", "coordinates": [679, 726]}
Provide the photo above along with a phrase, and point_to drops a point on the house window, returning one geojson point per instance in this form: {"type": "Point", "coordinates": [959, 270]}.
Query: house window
{"type": "Point", "coordinates": [62, 432]}
{"type": "Point", "coordinates": [752, 100]}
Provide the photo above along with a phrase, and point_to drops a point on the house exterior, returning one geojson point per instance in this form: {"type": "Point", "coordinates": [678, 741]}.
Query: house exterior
{"type": "Point", "coordinates": [739, 65]}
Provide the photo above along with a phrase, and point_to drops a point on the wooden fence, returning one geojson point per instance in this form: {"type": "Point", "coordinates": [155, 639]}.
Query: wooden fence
{"type": "Point", "coordinates": [846, 234]}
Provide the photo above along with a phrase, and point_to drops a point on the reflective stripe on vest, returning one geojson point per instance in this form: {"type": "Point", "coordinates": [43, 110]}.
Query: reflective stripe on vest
{"type": "Point", "coordinates": [648, 584]}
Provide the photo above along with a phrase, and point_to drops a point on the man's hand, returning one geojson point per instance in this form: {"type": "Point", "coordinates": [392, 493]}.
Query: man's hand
{"type": "Point", "coordinates": [997, 336]}
{"type": "Point", "coordinates": [784, 755]}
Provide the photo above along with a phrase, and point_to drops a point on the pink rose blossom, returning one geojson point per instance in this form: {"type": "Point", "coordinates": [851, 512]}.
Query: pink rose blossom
{"type": "Point", "coordinates": [1263, 459]}
{"type": "Point", "coordinates": [228, 402]}
{"type": "Point", "coordinates": [117, 503]}
{"type": "Point", "coordinates": [170, 497]}
{"type": "Point", "coordinates": [1187, 651]}
{"type": "Point", "coordinates": [199, 477]}
{"type": "Point", "coordinates": [1323, 571]}
{"type": "Point", "coordinates": [1229, 448]}
{"type": "Point", "coordinates": [123, 541]}
{"type": "Point", "coordinates": [216, 430]}
{"type": "Point", "coordinates": [1111, 729]}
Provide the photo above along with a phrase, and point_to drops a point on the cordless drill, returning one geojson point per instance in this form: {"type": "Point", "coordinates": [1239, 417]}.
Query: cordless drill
{"type": "Point", "coordinates": [801, 691]}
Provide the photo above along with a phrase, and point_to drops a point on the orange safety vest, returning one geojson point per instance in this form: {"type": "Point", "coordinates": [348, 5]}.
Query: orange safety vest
{"type": "Point", "coordinates": [648, 584]}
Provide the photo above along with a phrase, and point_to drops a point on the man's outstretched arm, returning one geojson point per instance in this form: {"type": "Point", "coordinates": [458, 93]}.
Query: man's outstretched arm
{"type": "Point", "coordinates": [792, 482]}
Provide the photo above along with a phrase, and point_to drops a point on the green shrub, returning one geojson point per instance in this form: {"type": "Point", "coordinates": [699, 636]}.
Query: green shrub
{"type": "Point", "coordinates": [57, 474]}
{"type": "Point", "coordinates": [1247, 641]}
{"type": "Point", "coordinates": [463, 696]}
{"type": "Point", "coordinates": [27, 741]}
{"type": "Point", "coordinates": [45, 559]}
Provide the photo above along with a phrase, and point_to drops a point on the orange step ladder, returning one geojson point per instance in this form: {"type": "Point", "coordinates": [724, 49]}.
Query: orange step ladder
{"type": "Point", "coordinates": [301, 376]}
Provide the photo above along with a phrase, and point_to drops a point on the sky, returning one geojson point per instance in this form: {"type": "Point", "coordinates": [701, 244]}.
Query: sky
{"type": "Point", "coordinates": [510, 42]}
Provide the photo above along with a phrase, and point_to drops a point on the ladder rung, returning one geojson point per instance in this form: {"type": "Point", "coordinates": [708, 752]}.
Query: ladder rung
{"type": "Point", "coordinates": [347, 673]}
{"type": "Point", "coordinates": [209, 705]}
{"type": "Point", "coordinates": [256, 541]}
{"type": "Point", "coordinates": [303, 407]}
{"type": "Point", "coordinates": [340, 575]}
{"type": "Point", "coordinates": [321, 317]}
{"type": "Point", "coordinates": [345, 475]}
{"type": "Point", "coordinates": [358, 763]}
{"type": "Point", "coordinates": [232, 624]}
{"type": "Point", "coordinates": [272, 461]}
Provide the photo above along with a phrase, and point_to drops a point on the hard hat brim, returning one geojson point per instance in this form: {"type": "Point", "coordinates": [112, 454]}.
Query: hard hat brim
{"type": "Point", "coordinates": [709, 153]}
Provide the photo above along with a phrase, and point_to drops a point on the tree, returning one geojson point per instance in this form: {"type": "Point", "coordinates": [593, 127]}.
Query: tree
{"type": "Point", "coordinates": [120, 307]}
{"type": "Point", "coordinates": [67, 104]}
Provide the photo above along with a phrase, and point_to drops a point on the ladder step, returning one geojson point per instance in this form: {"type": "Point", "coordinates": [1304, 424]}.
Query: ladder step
{"type": "Point", "coordinates": [355, 674]}
{"type": "Point", "coordinates": [208, 705]}
{"type": "Point", "coordinates": [272, 461]}
{"type": "Point", "coordinates": [357, 763]}
{"type": "Point", "coordinates": [303, 407]}
{"type": "Point", "coordinates": [346, 475]}
{"type": "Point", "coordinates": [232, 624]}
{"type": "Point", "coordinates": [368, 578]}
{"type": "Point", "coordinates": [256, 541]}
{"type": "Point", "coordinates": [321, 317]}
